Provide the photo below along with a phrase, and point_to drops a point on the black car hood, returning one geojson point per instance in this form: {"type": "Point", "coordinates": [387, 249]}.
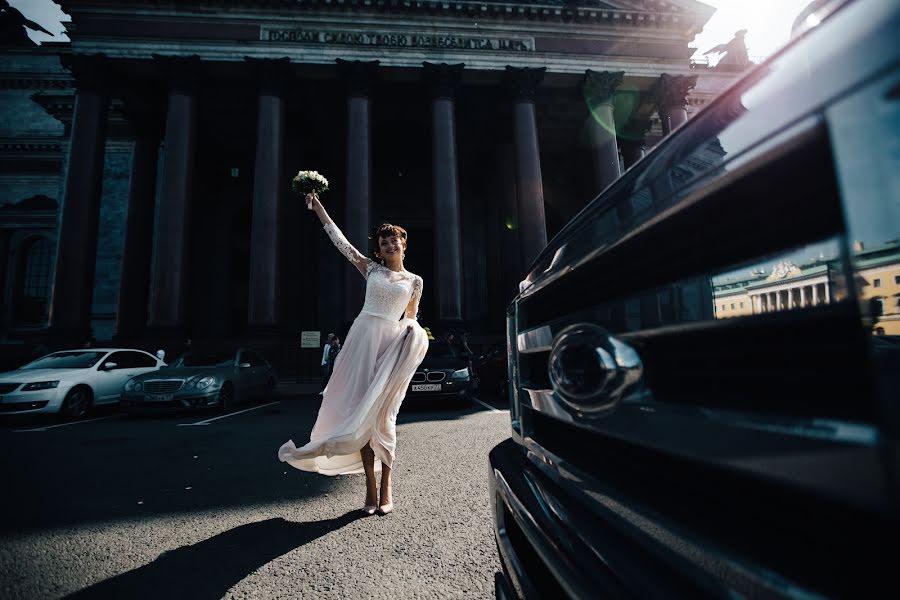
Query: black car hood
{"type": "Point", "coordinates": [440, 362]}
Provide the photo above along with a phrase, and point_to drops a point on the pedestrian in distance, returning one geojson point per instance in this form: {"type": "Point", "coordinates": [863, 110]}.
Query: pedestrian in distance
{"type": "Point", "coordinates": [326, 361]}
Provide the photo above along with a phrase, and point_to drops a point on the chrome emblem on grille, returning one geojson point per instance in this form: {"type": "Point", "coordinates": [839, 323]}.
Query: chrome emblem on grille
{"type": "Point", "coordinates": [590, 370]}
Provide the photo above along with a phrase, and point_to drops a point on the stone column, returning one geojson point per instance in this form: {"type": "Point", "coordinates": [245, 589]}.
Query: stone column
{"type": "Point", "coordinates": [134, 284]}
{"type": "Point", "coordinates": [815, 294]}
{"type": "Point", "coordinates": [443, 80]}
{"type": "Point", "coordinates": [599, 88]}
{"type": "Point", "coordinates": [631, 139]}
{"type": "Point", "coordinates": [269, 183]}
{"type": "Point", "coordinates": [358, 77]}
{"type": "Point", "coordinates": [802, 296]}
{"type": "Point", "coordinates": [168, 291]}
{"type": "Point", "coordinates": [671, 97]}
{"type": "Point", "coordinates": [826, 293]}
{"type": "Point", "coordinates": [523, 83]}
{"type": "Point", "coordinates": [5, 284]}
{"type": "Point", "coordinates": [76, 248]}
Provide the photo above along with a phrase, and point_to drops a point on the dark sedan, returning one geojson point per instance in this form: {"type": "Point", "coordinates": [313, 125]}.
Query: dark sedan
{"type": "Point", "coordinates": [443, 372]}
{"type": "Point", "coordinates": [202, 379]}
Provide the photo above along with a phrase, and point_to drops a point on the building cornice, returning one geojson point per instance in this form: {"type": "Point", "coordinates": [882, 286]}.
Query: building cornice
{"type": "Point", "coordinates": [689, 16]}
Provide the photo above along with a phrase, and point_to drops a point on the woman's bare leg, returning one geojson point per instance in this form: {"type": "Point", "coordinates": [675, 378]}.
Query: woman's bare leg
{"type": "Point", "coordinates": [368, 460]}
{"type": "Point", "coordinates": [386, 483]}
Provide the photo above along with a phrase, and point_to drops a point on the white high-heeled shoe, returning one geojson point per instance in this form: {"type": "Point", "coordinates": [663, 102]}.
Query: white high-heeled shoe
{"type": "Point", "coordinates": [369, 509]}
{"type": "Point", "coordinates": [386, 508]}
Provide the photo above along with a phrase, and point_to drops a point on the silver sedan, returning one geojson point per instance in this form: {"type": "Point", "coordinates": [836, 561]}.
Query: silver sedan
{"type": "Point", "coordinates": [202, 379]}
{"type": "Point", "coordinates": [72, 381]}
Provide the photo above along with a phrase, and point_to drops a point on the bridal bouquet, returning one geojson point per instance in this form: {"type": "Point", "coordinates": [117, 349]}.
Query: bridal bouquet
{"type": "Point", "coordinates": [309, 182]}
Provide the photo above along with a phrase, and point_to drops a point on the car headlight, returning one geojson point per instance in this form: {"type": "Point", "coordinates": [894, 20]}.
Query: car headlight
{"type": "Point", "coordinates": [462, 374]}
{"type": "Point", "coordinates": [129, 385]}
{"type": "Point", "coordinates": [205, 382]}
{"type": "Point", "coordinates": [40, 385]}
{"type": "Point", "coordinates": [138, 386]}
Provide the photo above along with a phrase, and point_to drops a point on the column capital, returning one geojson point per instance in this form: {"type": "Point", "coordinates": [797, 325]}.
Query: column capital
{"type": "Point", "coordinates": [272, 74]}
{"type": "Point", "coordinates": [183, 72]}
{"type": "Point", "coordinates": [671, 91]}
{"type": "Point", "coordinates": [598, 87]}
{"type": "Point", "coordinates": [522, 82]}
{"type": "Point", "coordinates": [358, 75]}
{"type": "Point", "coordinates": [90, 70]}
{"type": "Point", "coordinates": [443, 79]}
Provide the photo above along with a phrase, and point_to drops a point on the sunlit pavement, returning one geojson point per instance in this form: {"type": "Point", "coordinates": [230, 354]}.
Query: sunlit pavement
{"type": "Point", "coordinates": [196, 506]}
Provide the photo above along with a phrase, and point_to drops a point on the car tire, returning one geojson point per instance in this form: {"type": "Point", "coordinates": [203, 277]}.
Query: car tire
{"type": "Point", "coordinates": [226, 397]}
{"type": "Point", "coordinates": [77, 402]}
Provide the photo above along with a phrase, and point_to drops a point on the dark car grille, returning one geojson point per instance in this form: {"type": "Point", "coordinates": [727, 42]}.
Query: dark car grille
{"type": "Point", "coordinates": [23, 406]}
{"type": "Point", "coordinates": [163, 386]}
{"type": "Point", "coordinates": [6, 388]}
{"type": "Point", "coordinates": [431, 376]}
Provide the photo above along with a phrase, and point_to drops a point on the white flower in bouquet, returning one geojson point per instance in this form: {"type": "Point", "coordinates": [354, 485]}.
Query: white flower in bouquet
{"type": "Point", "coordinates": [309, 182]}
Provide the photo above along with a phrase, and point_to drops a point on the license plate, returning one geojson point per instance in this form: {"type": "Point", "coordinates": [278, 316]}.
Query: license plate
{"type": "Point", "coordinates": [158, 397]}
{"type": "Point", "coordinates": [426, 387]}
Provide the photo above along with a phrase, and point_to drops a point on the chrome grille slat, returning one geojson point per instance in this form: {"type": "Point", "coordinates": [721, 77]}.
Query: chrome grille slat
{"type": "Point", "coordinates": [418, 377]}
{"type": "Point", "coordinates": [435, 376]}
{"type": "Point", "coordinates": [163, 386]}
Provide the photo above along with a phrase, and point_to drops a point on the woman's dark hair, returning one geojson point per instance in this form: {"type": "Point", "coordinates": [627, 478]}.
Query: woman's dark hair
{"type": "Point", "coordinates": [388, 230]}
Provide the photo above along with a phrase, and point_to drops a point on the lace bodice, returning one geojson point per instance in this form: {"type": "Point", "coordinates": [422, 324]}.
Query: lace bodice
{"type": "Point", "coordinates": [389, 294]}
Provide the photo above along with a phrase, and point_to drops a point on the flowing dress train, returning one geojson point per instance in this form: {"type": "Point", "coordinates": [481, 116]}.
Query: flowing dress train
{"type": "Point", "coordinates": [370, 377]}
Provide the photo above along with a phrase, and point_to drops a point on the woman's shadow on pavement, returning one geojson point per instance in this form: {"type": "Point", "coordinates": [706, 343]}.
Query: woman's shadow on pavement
{"type": "Point", "coordinates": [208, 569]}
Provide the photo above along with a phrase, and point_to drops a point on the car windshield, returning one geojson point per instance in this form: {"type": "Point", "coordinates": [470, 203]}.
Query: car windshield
{"type": "Point", "coordinates": [440, 350]}
{"type": "Point", "coordinates": [205, 359]}
{"type": "Point", "coordinates": [67, 360]}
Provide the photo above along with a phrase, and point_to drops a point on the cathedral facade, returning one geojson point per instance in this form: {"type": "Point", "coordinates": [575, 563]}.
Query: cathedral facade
{"type": "Point", "coordinates": [147, 162]}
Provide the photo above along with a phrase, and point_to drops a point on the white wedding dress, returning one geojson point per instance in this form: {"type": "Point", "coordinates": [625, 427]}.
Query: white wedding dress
{"type": "Point", "coordinates": [382, 350]}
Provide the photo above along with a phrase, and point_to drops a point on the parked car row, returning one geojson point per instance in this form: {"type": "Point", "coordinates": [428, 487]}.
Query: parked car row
{"type": "Point", "coordinates": [71, 382]}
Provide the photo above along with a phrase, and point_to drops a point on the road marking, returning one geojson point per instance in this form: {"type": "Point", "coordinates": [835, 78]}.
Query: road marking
{"type": "Point", "coordinates": [208, 421]}
{"type": "Point", "coordinates": [67, 424]}
{"type": "Point", "coordinates": [488, 406]}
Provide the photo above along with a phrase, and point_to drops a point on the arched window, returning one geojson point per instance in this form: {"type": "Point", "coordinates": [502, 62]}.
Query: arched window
{"type": "Point", "coordinates": [34, 289]}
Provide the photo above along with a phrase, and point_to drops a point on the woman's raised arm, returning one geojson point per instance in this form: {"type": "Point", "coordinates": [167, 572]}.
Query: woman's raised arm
{"type": "Point", "coordinates": [359, 260]}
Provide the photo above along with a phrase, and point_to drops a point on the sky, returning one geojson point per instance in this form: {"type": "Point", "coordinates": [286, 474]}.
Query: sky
{"type": "Point", "coordinates": [45, 13]}
{"type": "Point", "coordinates": [768, 22]}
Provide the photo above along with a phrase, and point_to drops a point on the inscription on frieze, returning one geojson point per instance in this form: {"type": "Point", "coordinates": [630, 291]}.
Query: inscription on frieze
{"type": "Point", "coordinates": [397, 39]}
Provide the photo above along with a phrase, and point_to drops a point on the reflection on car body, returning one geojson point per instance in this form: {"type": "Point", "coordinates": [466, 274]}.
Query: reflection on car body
{"type": "Point", "coordinates": [202, 379]}
{"type": "Point", "coordinates": [748, 450]}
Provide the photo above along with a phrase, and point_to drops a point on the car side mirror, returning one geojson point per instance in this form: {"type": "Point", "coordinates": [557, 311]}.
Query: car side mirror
{"type": "Point", "coordinates": [245, 365]}
{"type": "Point", "coordinates": [110, 366]}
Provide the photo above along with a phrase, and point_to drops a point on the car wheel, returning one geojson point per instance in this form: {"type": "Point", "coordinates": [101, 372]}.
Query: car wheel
{"type": "Point", "coordinates": [226, 397]}
{"type": "Point", "coordinates": [77, 402]}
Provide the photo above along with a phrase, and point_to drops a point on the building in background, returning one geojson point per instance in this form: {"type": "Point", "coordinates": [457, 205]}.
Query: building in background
{"type": "Point", "coordinates": [144, 191]}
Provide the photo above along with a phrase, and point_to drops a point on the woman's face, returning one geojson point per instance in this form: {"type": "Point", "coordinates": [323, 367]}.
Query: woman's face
{"type": "Point", "coordinates": [390, 247]}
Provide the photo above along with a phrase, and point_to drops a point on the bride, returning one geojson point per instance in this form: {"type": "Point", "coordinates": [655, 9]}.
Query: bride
{"type": "Point", "coordinates": [356, 426]}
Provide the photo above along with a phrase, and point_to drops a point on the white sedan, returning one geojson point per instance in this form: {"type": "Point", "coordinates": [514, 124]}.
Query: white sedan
{"type": "Point", "coordinates": [72, 381]}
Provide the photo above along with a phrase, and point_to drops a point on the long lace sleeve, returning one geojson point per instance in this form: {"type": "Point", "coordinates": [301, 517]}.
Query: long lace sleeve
{"type": "Point", "coordinates": [412, 309]}
{"type": "Point", "coordinates": [359, 260]}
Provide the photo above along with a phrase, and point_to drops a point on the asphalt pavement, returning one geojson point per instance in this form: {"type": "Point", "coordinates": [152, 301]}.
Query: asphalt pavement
{"type": "Point", "coordinates": [197, 506]}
